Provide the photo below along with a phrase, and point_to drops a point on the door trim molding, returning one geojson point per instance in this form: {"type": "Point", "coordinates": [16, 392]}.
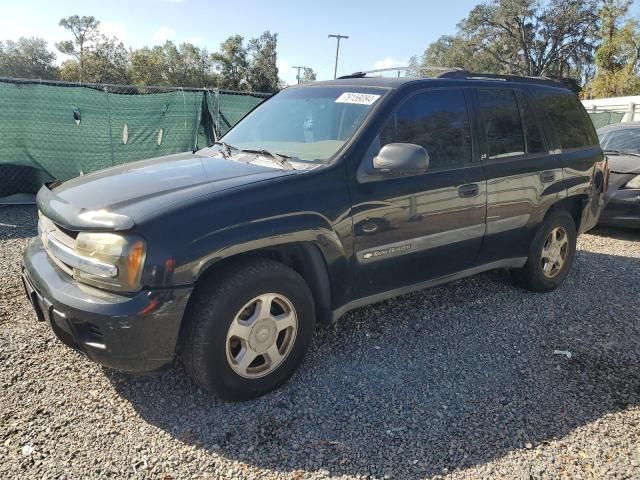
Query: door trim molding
{"type": "Point", "coordinates": [499, 225]}
{"type": "Point", "coordinates": [516, 262]}
{"type": "Point", "coordinates": [419, 244]}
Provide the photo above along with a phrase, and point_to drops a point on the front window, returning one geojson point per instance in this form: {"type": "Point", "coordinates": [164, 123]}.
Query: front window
{"type": "Point", "coordinates": [306, 124]}
{"type": "Point", "coordinates": [623, 140]}
{"type": "Point", "coordinates": [436, 120]}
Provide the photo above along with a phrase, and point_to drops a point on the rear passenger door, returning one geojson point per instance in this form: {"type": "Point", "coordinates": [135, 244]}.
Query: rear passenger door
{"type": "Point", "coordinates": [578, 149]}
{"type": "Point", "coordinates": [520, 170]}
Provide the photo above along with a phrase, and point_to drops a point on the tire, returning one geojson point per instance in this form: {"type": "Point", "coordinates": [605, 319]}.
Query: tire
{"type": "Point", "coordinates": [532, 276]}
{"type": "Point", "coordinates": [224, 328]}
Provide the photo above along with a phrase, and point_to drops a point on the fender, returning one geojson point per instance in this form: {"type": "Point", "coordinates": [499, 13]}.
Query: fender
{"type": "Point", "coordinates": [572, 184]}
{"type": "Point", "coordinates": [264, 233]}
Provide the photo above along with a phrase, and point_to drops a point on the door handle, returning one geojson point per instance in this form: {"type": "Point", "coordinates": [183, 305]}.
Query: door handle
{"type": "Point", "coordinates": [547, 177]}
{"type": "Point", "coordinates": [469, 190]}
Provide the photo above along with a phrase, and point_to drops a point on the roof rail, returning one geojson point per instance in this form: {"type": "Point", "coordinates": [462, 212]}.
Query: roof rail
{"type": "Point", "coordinates": [398, 69]}
{"type": "Point", "coordinates": [460, 73]}
{"type": "Point", "coordinates": [466, 75]}
{"type": "Point", "coordinates": [364, 73]}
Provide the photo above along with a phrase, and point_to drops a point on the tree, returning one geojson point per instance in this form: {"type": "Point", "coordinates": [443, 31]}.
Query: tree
{"type": "Point", "coordinates": [185, 65]}
{"type": "Point", "coordinates": [106, 62]}
{"type": "Point", "coordinates": [232, 63]}
{"type": "Point", "coordinates": [189, 66]}
{"type": "Point", "coordinates": [262, 74]}
{"type": "Point", "coordinates": [85, 31]}
{"type": "Point", "coordinates": [455, 51]}
{"type": "Point", "coordinates": [27, 58]}
{"type": "Point", "coordinates": [617, 57]}
{"type": "Point", "coordinates": [525, 37]}
{"type": "Point", "coordinates": [96, 58]}
{"type": "Point", "coordinates": [308, 75]}
{"type": "Point", "coordinates": [148, 66]}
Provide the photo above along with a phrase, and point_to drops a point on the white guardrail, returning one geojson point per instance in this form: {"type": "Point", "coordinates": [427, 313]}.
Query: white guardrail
{"type": "Point", "coordinates": [629, 107]}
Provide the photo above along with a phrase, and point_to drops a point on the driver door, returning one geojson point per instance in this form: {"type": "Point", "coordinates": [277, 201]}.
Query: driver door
{"type": "Point", "coordinates": [411, 229]}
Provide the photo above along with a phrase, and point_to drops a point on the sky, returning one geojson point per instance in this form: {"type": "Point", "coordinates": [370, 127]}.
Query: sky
{"type": "Point", "coordinates": [379, 36]}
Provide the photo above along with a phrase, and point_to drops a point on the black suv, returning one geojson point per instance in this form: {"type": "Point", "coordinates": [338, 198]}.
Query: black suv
{"type": "Point", "coordinates": [324, 198]}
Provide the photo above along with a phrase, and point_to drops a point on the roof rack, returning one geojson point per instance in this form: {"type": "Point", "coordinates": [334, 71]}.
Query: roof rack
{"type": "Point", "coordinates": [398, 69]}
{"type": "Point", "coordinates": [466, 75]}
{"type": "Point", "coordinates": [364, 73]}
{"type": "Point", "coordinates": [460, 73]}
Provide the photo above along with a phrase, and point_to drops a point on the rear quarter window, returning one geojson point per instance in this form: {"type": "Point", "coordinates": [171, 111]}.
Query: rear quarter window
{"type": "Point", "coordinates": [569, 119]}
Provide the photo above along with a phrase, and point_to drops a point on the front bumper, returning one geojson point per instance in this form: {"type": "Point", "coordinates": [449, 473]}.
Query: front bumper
{"type": "Point", "coordinates": [622, 209]}
{"type": "Point", "coordinates": [137, 333]}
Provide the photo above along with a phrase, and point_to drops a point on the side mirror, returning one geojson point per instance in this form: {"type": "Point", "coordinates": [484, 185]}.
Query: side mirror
{"type": "Point", "coordinates": [399, 159]}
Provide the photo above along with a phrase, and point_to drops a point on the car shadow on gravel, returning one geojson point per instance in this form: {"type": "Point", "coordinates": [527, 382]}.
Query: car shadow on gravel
{"type": "Point", "coordinates": [631, 234]}
{"type": "Point", "coordinates": [18, 221]}
{"type": "Point", "coordinates": [431, 382]}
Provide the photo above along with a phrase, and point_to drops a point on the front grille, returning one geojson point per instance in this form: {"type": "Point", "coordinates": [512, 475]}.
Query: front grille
{"type": "Point", "coordinates": [66, 237]}
{"type": "Point", "coordinates": [68, 233]}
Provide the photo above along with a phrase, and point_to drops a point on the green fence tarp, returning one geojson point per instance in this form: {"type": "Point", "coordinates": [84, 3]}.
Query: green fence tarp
{"type": "Point", "coordinates": [40, 139]}
{"type": "Point", "coordinates": [601, 119]}
{"type": "Point", "coordinates": [232, 108]}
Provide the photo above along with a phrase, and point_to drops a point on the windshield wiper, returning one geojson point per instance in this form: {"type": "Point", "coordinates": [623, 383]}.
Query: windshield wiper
{"type": "Point", "coordinates": [620, 152]}
{"type": "Point", "coordinates": [278, 157]}
{"type": "Point", "coordinates": [226, 148]}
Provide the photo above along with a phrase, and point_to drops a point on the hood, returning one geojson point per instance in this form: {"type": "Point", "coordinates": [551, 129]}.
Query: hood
{"type": "Point", "coordinates": [624, 164]}
{"type": "Point", "coordinates": [113, 199]}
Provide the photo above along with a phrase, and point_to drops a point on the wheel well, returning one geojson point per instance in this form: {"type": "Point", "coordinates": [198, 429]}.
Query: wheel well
{"type": "Point", "coordinates": [303, 257]}
{"type": "Point", "coordinates": [573, 205]}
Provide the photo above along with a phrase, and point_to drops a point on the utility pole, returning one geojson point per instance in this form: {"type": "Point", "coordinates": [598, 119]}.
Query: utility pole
{"type": "Point", "coordinates": [337, 37]}
{"type": "Point", "coordinates": [298, 74]}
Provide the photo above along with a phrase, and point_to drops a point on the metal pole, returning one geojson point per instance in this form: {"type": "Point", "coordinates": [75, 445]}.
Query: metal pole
{"type": "Point", "coordinates": [298, 74]}
{"type": "Point", "coordinates": [106, 91]}
{"type": "Point", "coordinates": [335, 68]}
{"type": "Point", "coordinates": [298, 77]}
{"type": "Point", "coordinates": [337, 37]}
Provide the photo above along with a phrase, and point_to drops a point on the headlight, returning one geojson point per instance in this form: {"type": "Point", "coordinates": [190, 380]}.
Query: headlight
{"type": "Point", "coordinates": [633, 183]}
{"type": "Point", "coordinates": [124, 252]}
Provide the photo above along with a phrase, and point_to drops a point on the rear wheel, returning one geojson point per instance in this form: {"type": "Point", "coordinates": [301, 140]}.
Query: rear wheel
{"type": "Point", "coordinates": [248, 329]}
{"type": "Point", "coordinates": [551, 254]}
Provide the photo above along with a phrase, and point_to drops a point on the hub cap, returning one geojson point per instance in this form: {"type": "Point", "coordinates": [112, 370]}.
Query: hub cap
{"type": "Point", "coordinates": [261, 335]}
{"type": "Point", "coordinates": [554, 252]}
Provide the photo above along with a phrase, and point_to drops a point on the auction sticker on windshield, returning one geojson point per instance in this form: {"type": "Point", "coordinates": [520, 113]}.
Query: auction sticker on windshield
{"type": "Point", "coordinates": [358, 98]}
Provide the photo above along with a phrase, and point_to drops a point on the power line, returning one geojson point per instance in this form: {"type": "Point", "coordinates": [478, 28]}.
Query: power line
{"type": "Point", "coordinates": [337, 37]}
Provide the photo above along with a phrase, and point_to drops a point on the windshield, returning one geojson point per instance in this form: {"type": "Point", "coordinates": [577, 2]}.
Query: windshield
{"type": "Point", "coordinates": [623, 140]}
{"type": "Point", "coordinates": [308, 124]}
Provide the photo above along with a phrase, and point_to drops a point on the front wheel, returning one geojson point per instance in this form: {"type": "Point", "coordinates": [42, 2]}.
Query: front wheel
{"type": "Point", "coordinates": [248, 329]}
{"type": "Point", "coordinates": [551, 254]}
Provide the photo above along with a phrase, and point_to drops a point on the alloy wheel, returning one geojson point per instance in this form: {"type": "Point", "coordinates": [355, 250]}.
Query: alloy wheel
{"type": "Point", "coordinates": [261, 335]}
{"type": "Point", "coordinates": [554, 252]}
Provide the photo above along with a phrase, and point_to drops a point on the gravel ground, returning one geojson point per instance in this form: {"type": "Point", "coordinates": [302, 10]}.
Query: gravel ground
{"type": "Point", "coordinates": [459, 381]}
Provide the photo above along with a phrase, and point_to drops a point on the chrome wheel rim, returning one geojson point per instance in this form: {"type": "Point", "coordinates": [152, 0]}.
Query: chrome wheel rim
{"type": "Point", "coordinates": [554, 252]}
{"type": "Point", "coordinates": [261, 335]}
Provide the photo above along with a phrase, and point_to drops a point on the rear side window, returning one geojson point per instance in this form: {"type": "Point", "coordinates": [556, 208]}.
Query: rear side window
{"type": "Point", "coordinates": [569, 119]}
{"type": "Point", "coordinates": [509, 123]}
{"type": "Point", "coordinates": [438, 121]}
{"type": "Point", "coordinates": [502, 122]}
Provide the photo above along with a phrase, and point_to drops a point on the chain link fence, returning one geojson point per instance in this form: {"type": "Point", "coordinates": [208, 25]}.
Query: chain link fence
{"type": "Point", "coordinates": [59, 130]}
